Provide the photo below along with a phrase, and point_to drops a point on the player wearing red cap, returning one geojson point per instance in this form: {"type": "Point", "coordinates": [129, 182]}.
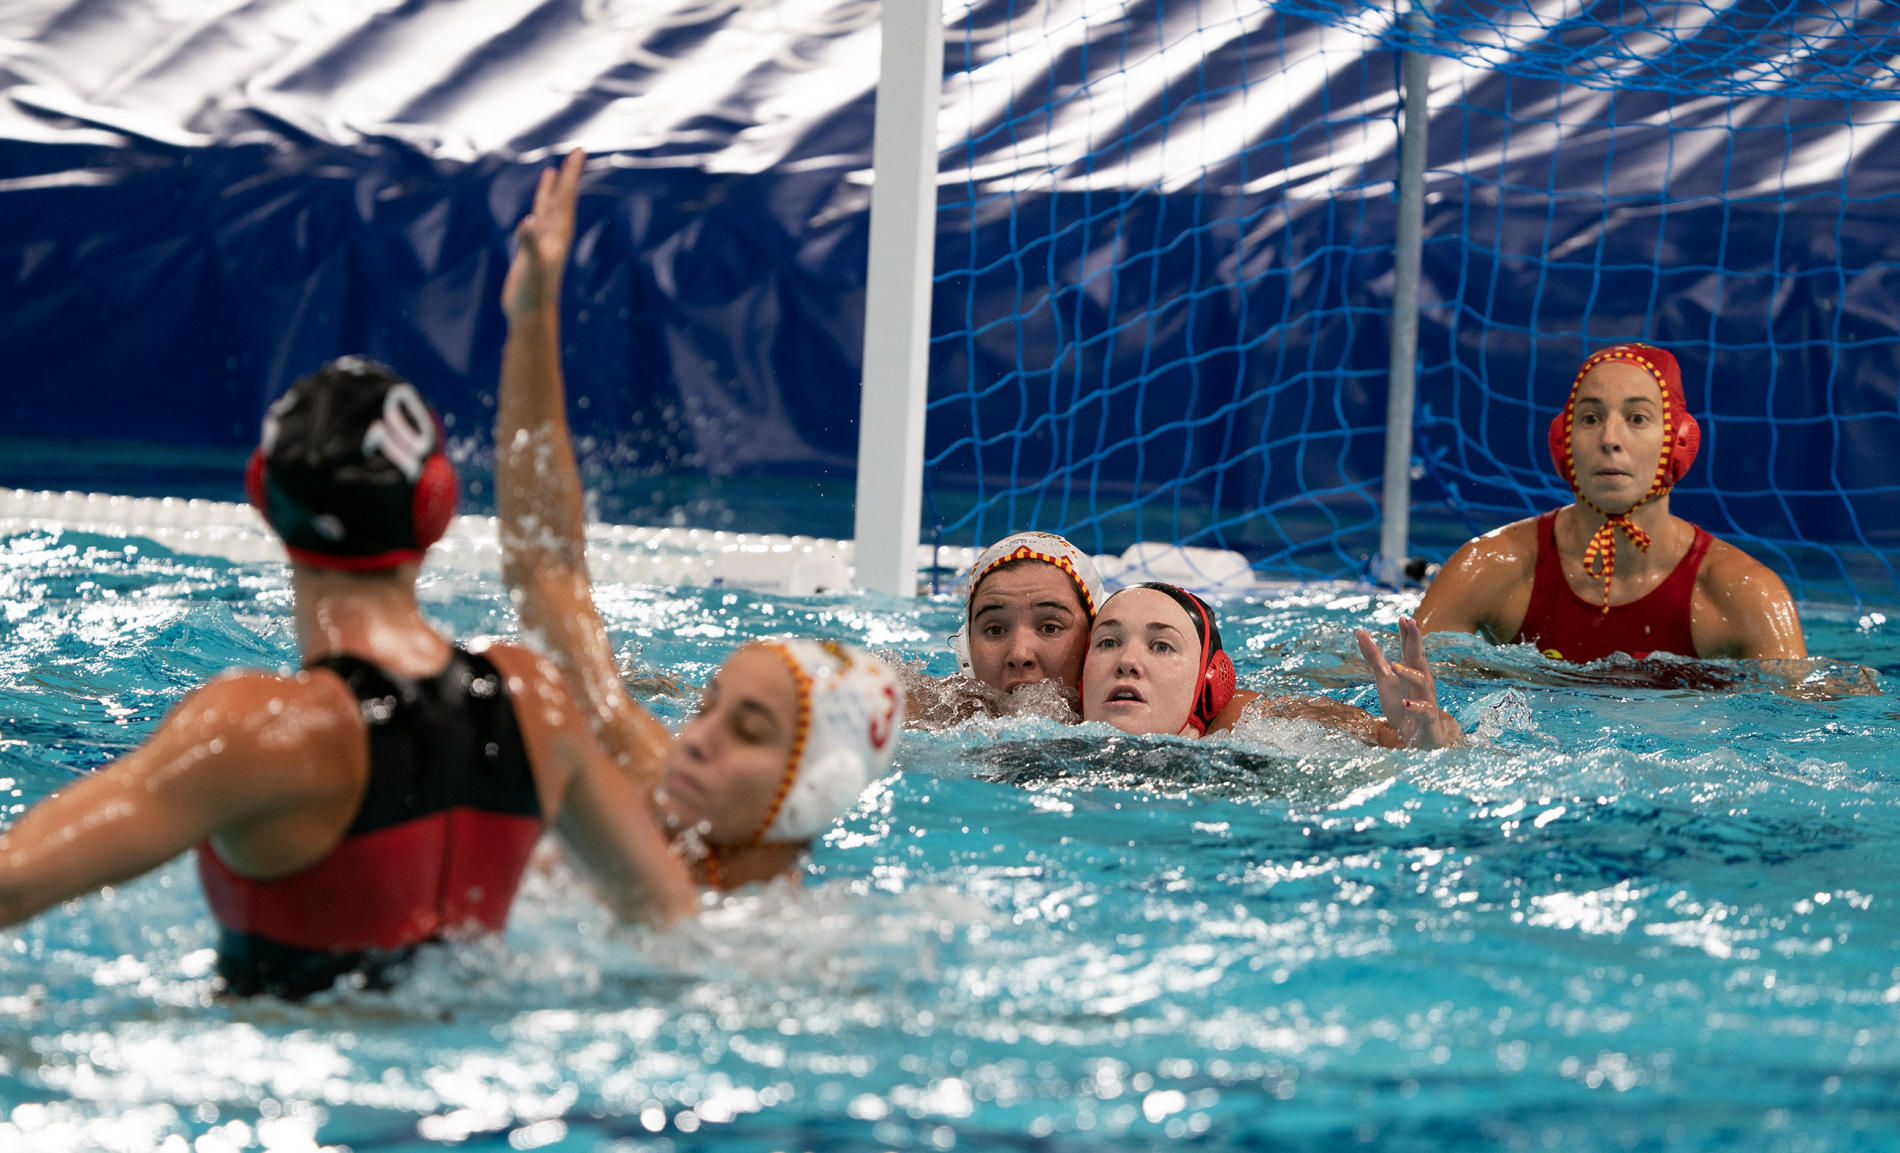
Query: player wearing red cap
{"type": "Point", "coordinates": [390, 792]}
{"type": "Point", "coordinates": [1615, 571]}
{"type": "Point", "coordinates": [1156, 664]}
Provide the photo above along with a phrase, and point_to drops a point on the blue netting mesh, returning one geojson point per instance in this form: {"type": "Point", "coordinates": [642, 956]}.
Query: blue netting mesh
{"type": "Point", "coordinates": [1164, 270]}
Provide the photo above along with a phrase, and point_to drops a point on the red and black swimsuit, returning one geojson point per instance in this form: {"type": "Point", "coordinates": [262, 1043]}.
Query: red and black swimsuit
{"type": "Point", "coordinates": [1566, 627]}
{"type": "Point", "coordinates": [447, 823]}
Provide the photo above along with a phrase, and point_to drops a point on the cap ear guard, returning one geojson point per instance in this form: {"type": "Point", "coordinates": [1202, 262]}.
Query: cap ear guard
{"type": "Point", "coordinates": [960, 647]}
{"type": "Point", "coordinates": [1560, 445]}
{"type": "Point", "coordinates": [1217, 689]}
{"type": "Point", "coordinates": [254, 482]}
{"type": "Point", "coordinates": [850, 710]}
{"type": "Point", "coordinates": [433, 507]}
{"type": "Point", "coordinates": [1686, 443]}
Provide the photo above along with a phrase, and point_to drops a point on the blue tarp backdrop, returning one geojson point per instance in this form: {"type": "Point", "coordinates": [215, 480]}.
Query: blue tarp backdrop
{"type": "Point", "coordinates": [194, 213]}
{"type": "Point", "coordinates": [200, 202]}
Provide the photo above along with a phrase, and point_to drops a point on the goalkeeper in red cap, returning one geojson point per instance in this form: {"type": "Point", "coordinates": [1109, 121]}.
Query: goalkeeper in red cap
{"type": "Point", "coordinates": [1615, 571]}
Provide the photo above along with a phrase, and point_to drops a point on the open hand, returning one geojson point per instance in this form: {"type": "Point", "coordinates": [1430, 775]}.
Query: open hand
{"type": "Point", "coordinates": [1408, 694]}
{"type": "Point", "coordinates": [542, 240]}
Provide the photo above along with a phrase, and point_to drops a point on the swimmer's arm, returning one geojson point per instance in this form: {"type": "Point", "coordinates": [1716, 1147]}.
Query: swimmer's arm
{"type": "Point", "coordinates": [608, 821]}
{"type": "Point", "coordinates": [1408, 695]}
{"type": "Point", "coordinates": [1745, 610]}
{"type": "Point", "coordinates": [538, 487]}
{"type": "Point", "coordinates": [1485, 586]}
{"type": "Point", "coordinates": [241, 751]}
{"type": "Point", "coordinates": [604, 818]}
{"type": "Point", "coordinates": [557, 611]}
{"type": "Point", "coordinates": [1334, 715]}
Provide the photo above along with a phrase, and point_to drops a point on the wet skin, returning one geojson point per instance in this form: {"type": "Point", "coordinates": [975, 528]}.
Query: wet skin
{"type": "Point", "coordinates": [728, 764]}
{"type": "Point", "coordinates": [1616, 435]}
{"type": "Point", "coordinates": [1143, 664]}
{"type": "Point", "coordinates": [1027, 624]}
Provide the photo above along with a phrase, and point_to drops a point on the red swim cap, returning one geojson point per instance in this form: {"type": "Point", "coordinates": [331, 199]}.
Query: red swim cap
{"type": "Point", "coordinates": [1682, 436]}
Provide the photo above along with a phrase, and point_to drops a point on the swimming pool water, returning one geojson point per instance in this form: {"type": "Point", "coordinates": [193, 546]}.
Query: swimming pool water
{"type": "Point", "coordinates": [1626, 918]}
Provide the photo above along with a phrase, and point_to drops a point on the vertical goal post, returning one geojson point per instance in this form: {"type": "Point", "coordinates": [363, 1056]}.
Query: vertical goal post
{"type": "Point", "coordinates": [897, 297]}
{"type": "Point", "coordinates": [1407, 254]}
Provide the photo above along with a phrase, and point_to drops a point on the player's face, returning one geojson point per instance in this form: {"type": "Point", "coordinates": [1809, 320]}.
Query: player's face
{"type": "Point", "coordinates": [1027, 624]}
{"type": "Point", "coordinates": [1616, 435]}
{"type": "Point", "coordinates": [1143, 664]}
{"type": "Point", "coordinates": [728, 765]}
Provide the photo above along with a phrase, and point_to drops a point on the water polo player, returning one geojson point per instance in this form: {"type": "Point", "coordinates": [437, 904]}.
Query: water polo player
{"type": "Point", "coordinates": [788, 733]}
{"type": "Point", "coordinates": [1028, 602]}
{"type": "Point", "coordinates": [1615, 571]}
{"type": "Point", "coordinates": [391, 791]}
{"type": "Point", "coordinates": [1026, 616]}
{"type": "Point", "coordinates": [1156, 665]}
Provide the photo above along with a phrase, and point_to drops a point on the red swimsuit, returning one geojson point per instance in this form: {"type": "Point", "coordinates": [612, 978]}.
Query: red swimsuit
{"type": "Point", "coordinates": [1566, 627]}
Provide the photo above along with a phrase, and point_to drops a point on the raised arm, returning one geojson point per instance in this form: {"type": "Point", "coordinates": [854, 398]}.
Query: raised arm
{"type": "Point", "coordinates": [538, 487]}
{"type": "Point", "coordinates": [603, 817]}
{"type": "Point", "coordinates": [1408, 696]}
{"type": "Point", "coordinates": [275, 766]}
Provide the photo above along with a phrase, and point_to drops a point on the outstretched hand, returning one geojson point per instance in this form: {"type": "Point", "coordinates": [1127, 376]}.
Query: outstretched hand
{"type": "Point", "coordinates": [1408, 693]}
{"type": "Point", "coordinates": [542, 240]}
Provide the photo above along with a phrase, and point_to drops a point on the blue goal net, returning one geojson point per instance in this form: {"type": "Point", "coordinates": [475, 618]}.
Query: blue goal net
{"type": "Point", "coordinates": [1165, 269]}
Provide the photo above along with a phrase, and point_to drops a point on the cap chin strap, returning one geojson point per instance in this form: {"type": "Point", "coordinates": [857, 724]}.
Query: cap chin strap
{"type": "Point", "coordinates": [1599, 555]}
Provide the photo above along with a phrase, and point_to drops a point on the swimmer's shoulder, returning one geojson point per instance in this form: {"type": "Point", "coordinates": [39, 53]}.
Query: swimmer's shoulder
{"type": "Point", "coordinates": [1507, 552]}
{"type": "Point", "coordinates": [1742, 609]}
{"type": "Point", "coordinates": [1230, 715]}
{"type": "Point", "coordinates": [314, 705]}
{"type": "Point", "coordinates": [553, 726]}
{"type": "Point", "coordinates": [514, 660]}
{"type": "Point", "coordinates": [304, 727]}
{"type": "Point", "coordinates": [1730, 565]}
{"type": "Point", "coordinates": [1485, 584]}
{"type": "Point", "coordinates": [1735, 580]}
{"type": "Point", "coordinates": [1512, 544]}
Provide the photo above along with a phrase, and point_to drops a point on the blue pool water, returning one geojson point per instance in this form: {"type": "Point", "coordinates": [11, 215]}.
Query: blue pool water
{"type": "Point", "coordinates": [1626, 918]}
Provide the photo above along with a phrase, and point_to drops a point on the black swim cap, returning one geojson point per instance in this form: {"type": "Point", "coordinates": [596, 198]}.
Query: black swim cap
{"type": "Point", "coordinates": [1217, 668]}
{"type": "Point", "coordinates": [349, 469]}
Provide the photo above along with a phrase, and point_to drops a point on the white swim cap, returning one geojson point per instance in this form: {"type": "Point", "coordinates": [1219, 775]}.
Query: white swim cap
{"type": "Point", "coordinates": [850, 710]}
{"type": "Point", "coordinates": [1043, 546]}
